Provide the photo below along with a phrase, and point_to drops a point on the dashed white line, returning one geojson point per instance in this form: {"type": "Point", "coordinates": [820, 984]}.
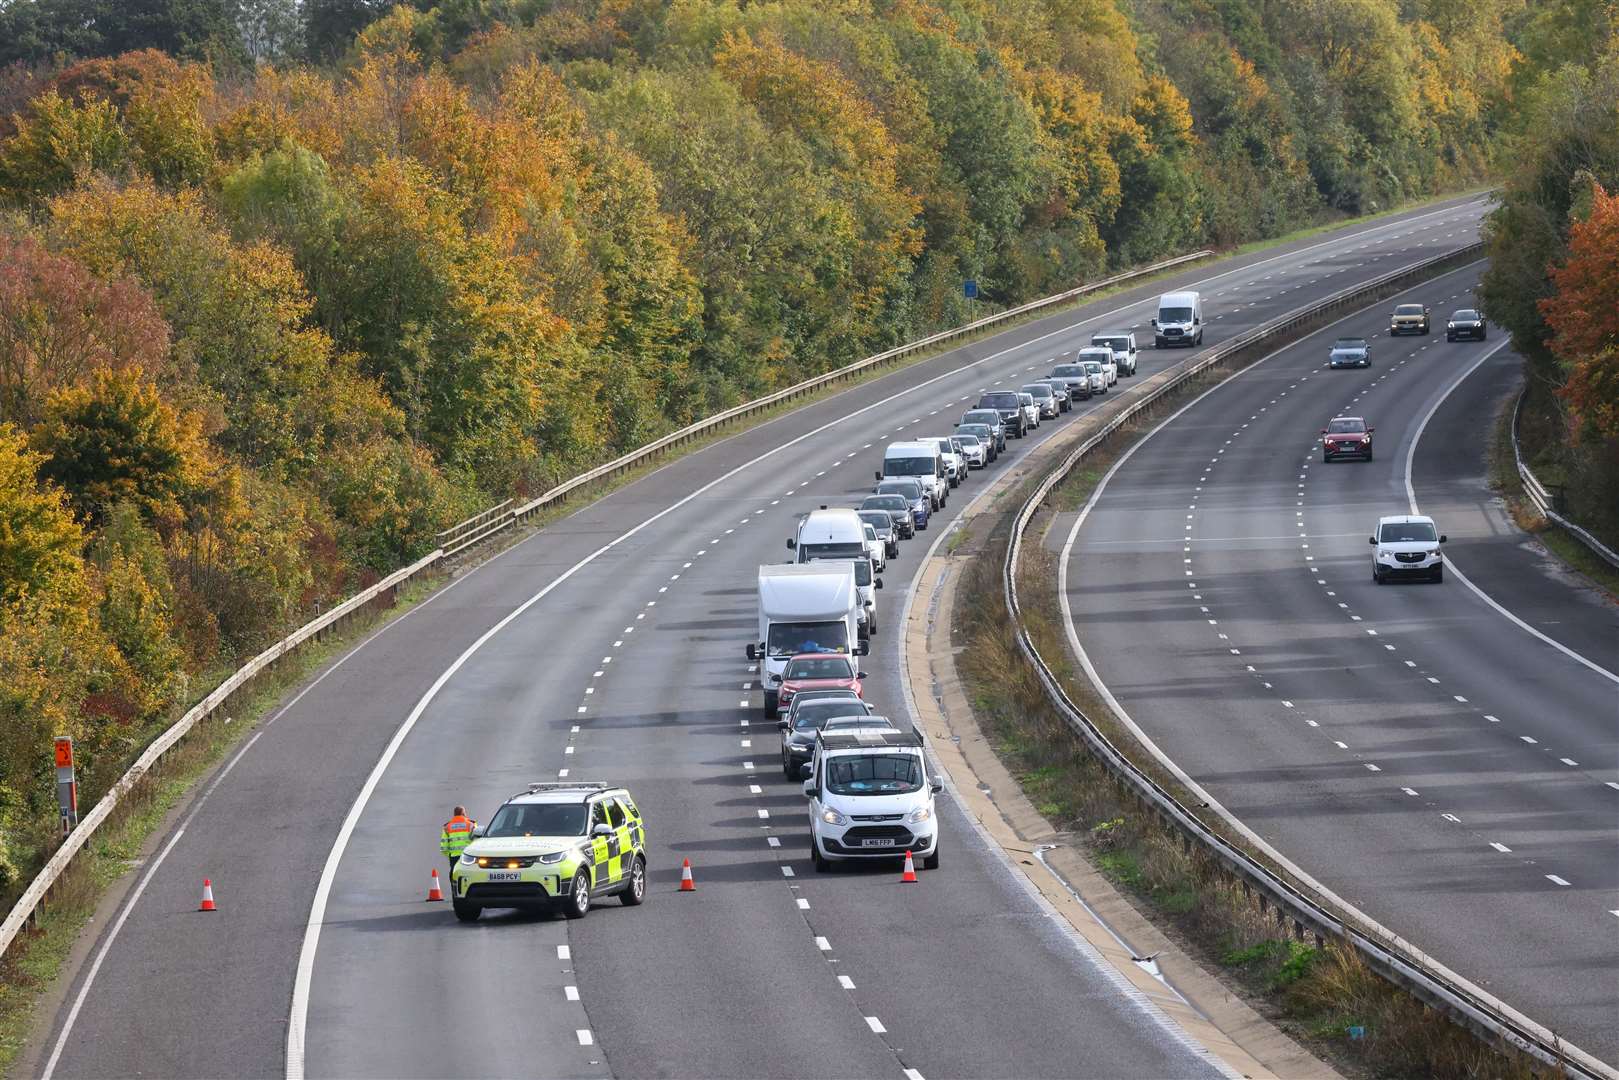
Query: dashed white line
{"type": "Point", "coordinates": [876, 1025]}
{"type": "Point", "coordinates": [1555, 880]}
{"type": "Point", "coordinates": [1502, 848]}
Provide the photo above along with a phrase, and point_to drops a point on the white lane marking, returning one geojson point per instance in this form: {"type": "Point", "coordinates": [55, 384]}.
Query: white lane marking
{"type": "Point", "coordinates": [746, 743]}
{"type": "Point", "coordinates": [1409, 791]}
{"type": "Point", "coordinates": [1459, 698]}
{"type": "Point", "coordinates": [1411, 497]}
{"type": "Point", "coordinates": [1372, 767]}
{"type": "Point", "coordinates": [1492, 719]}
{"type": "Point", "coordinates": [763, 814]}
{"type": "Point", "coordinates": [875, 1025]}
{"type": "Point", "coordinates": [1570, 762]}
{"type": "Point", "coordinates": [571, 993]}
{"type": "Point", "coordinates": [564, 953]}
{"type": "Point", "coordinates": [298, 1014]}
{"type": "Point", "coordinates": [846, 982]}
{"type": "Point", "coordinates": [1340, 745]}
{"type": "Point", "coordinates": [1530, 739]}
{"type": "Point", "coordinates": [1502, 848]}
{"type": "Point", "coordinates": [1555, 880]}
{"type": "Point", "coordinates": [585, 1037]}
{"type": "Point", "coordinates": [803, 904]}
{"type": "Point", "coordinates": [1451, 818]}
{"type": "Point", "coordinates": [773, 842]}
{"type": "Point", "coordinates": [787, 871]}
{"type": "Point", "coordinates": [755, 789]}
{"type": "Point", "coordinates": [823, 944]}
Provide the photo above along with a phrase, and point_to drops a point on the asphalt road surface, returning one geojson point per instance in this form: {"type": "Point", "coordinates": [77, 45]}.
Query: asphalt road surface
{"type": "Point", "coordinates": [611, 644]}
{"type": "Point", "coordinates": [1451, 771]}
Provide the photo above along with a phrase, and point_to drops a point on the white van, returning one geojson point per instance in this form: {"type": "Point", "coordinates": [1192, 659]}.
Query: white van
{"type": "Point", "coordinates": [811, 608]}
{"type": "Point", "coordinates": [919, 461]}
{"type": "Point", "coordinates": [1179, 320]}
{"type": "Point", "coordinates": [866, 583]}
{"type": "Point", "coordinates": [871, 796]}
{"type": "Point", "coordinates": [1123, 344]}
{"type": "Point", "coordinates": [829, 534]}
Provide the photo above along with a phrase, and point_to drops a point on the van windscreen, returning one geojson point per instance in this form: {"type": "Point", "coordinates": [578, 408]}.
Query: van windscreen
{"type": "Point", "coordinates": [1175, 314]}
{"type": "Point", "coordinates": [908, 466]}
{"type": "Point", "coordinates": [792, 638]}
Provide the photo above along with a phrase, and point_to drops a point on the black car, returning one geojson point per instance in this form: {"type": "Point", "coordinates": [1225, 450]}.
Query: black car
{"type": "Point", "coordinates": [808, 713]}
{"type": "Point", "coordinates": [895, 507]}
{"type": "Point", "coordinates": [1010, 405]}
{"type": "Point", "coordinates": [1466, 323]}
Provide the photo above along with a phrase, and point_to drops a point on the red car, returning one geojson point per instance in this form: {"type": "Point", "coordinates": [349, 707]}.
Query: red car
{"type": "Point", "coordinates": [1346, 436]}
{"type": "Point", "coordinates": [818, 671]}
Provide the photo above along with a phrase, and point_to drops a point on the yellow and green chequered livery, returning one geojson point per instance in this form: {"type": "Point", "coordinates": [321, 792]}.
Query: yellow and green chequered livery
{"type": "Point", "coordinates": [557, 845]}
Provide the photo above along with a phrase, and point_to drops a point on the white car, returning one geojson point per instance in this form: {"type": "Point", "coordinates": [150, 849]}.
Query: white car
{"type": "Point", "coordinates": [870, 796]}
{"type": "Point", "coordinates": [1031, 409]}
{"type": "Point", "coordinates": [877, 548]}
{"type": "Point", "coordinates": [973, 449]}
{"type": "Point", "coordinates": [1407, 546]}
{"type": "Point", "coordinates": [1098, 376]}
{"type": "Point", "coordinates": [1103, 357]}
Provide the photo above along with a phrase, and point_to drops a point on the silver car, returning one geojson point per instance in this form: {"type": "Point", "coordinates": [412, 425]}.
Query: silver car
{"type": "Point", "coordinates": [1031, 409]}
{"type": "Point", "coordinates": [1044, 398]}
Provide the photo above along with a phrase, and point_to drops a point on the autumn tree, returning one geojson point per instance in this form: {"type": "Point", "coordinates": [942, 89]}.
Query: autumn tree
{"type": "Point", "coordinates": [59, 324]}
{"type": "Point", "coordinates": [116, 441]}
{"type": "Point", "coordinates": [1583, 316]}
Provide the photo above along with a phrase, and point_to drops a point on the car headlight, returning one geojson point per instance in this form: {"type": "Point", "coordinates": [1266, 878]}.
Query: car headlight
{"type": "Point", "coordinates": [919, 815]}
{"type": "Point", "coordinates": [468, 858]}
{"type": "Point", "coordinates": [1385, 556]}
{"type": "Point", "coordinates": [832, 817]}
{"type": "Point", "coordinates": [1450, 326]}
{"type": "Point", "coordinates": [554, 857]}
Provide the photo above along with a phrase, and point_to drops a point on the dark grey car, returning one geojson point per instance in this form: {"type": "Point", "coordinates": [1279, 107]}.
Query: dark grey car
{"type": "Point", "coordinates": [1350, 352]}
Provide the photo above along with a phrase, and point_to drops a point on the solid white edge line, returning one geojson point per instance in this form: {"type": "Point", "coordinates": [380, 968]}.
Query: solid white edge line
{"type": "Point", "coordinates": [1456, 571]}
{"type": "Point", "coordinates": [302, 981]}
{"type": "Point", "coordinates": [1367, 923]}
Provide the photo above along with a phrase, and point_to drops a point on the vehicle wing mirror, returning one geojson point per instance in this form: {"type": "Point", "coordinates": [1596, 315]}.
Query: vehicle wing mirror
{"type": "Point", "coordinates": [879, 475]}
{"type": "Point", "coordinates": [1371, 539]}
{"type": "Point", "coordinates": [1323, 431]}
{"type": "Point", "coordinates": [1370, 430]}
{"type": "Point", "coordinates": [602, 829]}
{"type": "Point", "coordinates": [861, 675]}
{"type": "Point", "coordinates": [1154, 321]}
{"type": "Point", "coordinates": [938, 786]}
{"type": "Point", "coordinates": [791, 544]}
{"type": "Point", "coordinates": [1443, 538]}
{"type": "Point", "coordinates": [753, 651]}
{"type": "Point", "coordinates": [477, 830]}
{"type": "Point", "coordinates": [809, 785]}
{"type": "Point", "coordinates": [784, 725]}
{"type": "Point", "coordinates": [878, 584]}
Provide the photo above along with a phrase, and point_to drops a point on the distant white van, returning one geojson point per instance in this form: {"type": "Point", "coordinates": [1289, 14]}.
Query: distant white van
{"type": "Point", "coordinates": [1179, 320]}
{"type": "Point", "coordinates": [829, 534]}
{"type": "Point", "coordinates": [919, 461]}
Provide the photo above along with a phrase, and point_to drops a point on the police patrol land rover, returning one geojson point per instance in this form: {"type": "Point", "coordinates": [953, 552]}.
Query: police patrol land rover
{"type": "Point", "coordinates": [557, 845]}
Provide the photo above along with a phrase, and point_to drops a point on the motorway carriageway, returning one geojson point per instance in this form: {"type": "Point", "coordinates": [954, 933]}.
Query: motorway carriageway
{"type": "Point", "coordinates": [610, 645]}
{"type": "Point", "coordinates": [1452, 772]}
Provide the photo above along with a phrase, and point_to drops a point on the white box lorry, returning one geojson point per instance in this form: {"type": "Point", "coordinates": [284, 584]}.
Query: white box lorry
{"type": "Point", "coordinates": [804, 608]}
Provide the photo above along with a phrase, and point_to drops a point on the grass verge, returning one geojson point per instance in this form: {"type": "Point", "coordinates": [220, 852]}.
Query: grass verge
{"type": "Point", "coordinates": [1504, 479]}
{"type": "Point", "coordinates": [1321, 993]}
{"type": "Point", "coordinates": [35, 960]}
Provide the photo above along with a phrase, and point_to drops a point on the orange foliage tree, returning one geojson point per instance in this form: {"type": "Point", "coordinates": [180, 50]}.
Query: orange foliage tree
{"type": "Point", "coordinates": [1583, 315]}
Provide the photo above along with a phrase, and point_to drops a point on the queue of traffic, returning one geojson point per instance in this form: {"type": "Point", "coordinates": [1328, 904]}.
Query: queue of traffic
{"type": "Point", "coordinates": [869, 786]}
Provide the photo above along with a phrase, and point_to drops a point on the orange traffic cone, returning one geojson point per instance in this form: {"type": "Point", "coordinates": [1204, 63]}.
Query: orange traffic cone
{"type": "Point", "coordinates": [207, 896]}
{"type": "Point", "coordinates": [686, 883]}
{"type": "Point", "coordinates": [909, 877]}
{"type": "Point", "coordinates": [433, 892]}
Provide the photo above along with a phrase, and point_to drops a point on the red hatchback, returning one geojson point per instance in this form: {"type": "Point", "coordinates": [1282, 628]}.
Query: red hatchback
{"type": "Point", "coordinates": [1346, 436]}
{"type": "Point", "coordinates": [818, 671]}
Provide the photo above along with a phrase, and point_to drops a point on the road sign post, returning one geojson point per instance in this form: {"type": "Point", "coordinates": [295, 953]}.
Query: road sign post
{"type": "Point", "coordinates": [67, 788]}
